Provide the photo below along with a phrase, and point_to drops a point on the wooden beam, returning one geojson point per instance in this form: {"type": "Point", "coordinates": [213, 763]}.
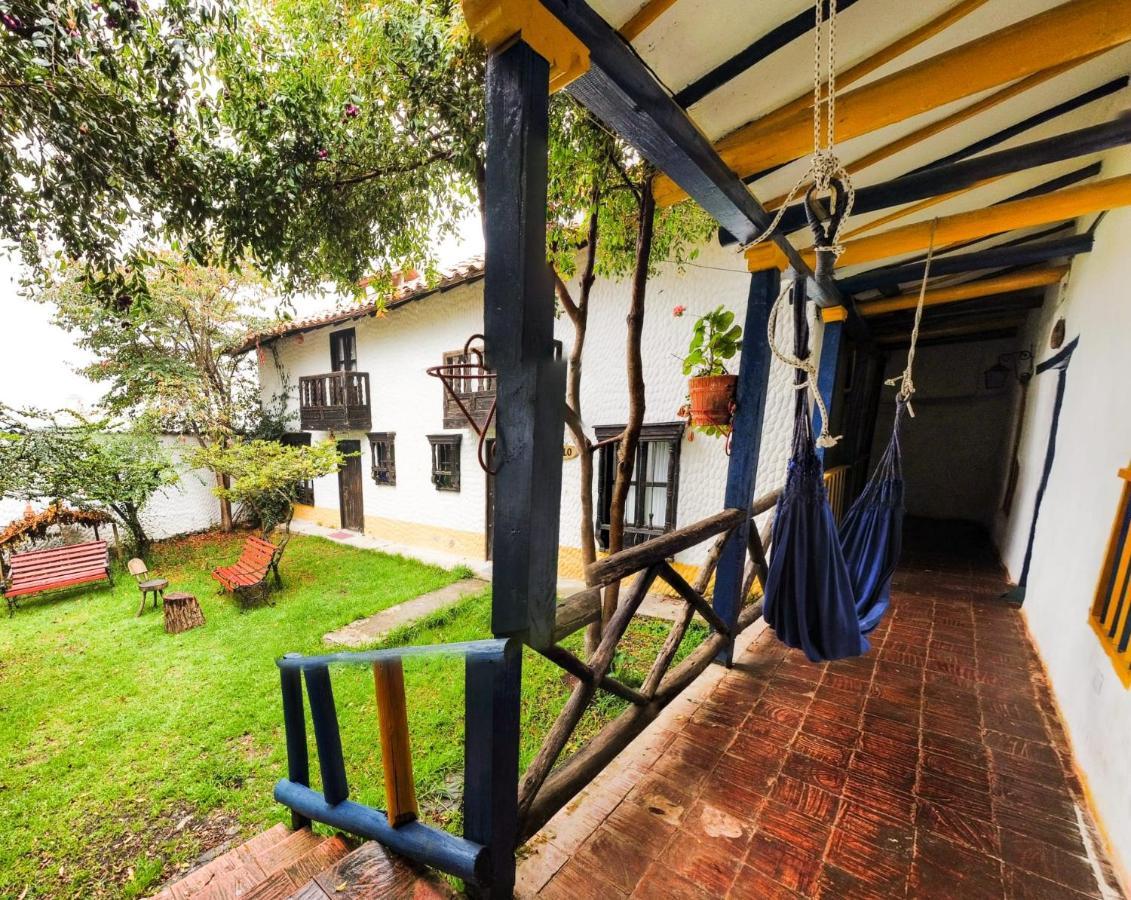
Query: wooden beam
{"type": "Point", "coordinates": [1063, 35]}
{"type": "Point", "coordinates": [396, 751]}
{"type": "Point", "coordinates": [643, 17]}
{"type": "Point", "coordinates": [969, 290]}
{"type": "Point", "coordinates": [975, 224]}
{"type": "Point", "coordinates": [966, 174]}
{"type": "Point", "coordinates": [993, 258]}
{"type": "Point", "coordinates": [498, 23]}
{"type": "Point", "coordinates": [996, 327]}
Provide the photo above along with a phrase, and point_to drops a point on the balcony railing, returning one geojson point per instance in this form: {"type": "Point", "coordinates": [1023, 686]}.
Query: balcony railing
{"type": "Point", "coordinates": [337, 401]}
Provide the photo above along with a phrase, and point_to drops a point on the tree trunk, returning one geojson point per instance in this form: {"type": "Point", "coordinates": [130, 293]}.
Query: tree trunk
{"type": "Point", "coordinates": [634, 364]}
{"type": "Point", "coordinates": [128, 513]}
{"type": "Point", "coordinates": [223, 481]}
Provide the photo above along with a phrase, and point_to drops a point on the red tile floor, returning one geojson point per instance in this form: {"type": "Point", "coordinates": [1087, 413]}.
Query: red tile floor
{"type": "Point", "coordinates": [934, 766]}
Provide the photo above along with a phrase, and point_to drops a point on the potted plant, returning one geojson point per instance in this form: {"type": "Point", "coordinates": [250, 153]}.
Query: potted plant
{"type": "Point", "coordinates": [715, 339]}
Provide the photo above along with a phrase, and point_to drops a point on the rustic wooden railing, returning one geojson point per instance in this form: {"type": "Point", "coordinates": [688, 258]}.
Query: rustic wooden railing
{"type": "Point", "coordinates": [546, 789]}
{"type": "Point", "coordinates": [484, 856]}
{"type": "Point", "coordinates": [334, 400]}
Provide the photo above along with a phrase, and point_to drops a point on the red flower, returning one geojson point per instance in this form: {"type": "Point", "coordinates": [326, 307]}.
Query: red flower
{"type": "Point", "coordinates": [679, 311]}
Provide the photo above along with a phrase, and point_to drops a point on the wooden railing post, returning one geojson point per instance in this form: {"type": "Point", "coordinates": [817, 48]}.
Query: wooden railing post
{"type": "Point", "coordinates": [746, 444]}
{"type": "Point", "coordinates": [327, 736]}
{"type": "Point", "coordinates": [294, 727]}
{"type": "Point", "coordinates": [396, 751]}
{"type": "Point", "coordinates": [491, 732]}
{"type": "Point", "coordinates": [827, 369]}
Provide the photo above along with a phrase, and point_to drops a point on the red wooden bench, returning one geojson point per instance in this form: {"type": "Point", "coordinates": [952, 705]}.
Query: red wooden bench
{"type": "Point", "coordinates": [37, 571]}
{"type": "Point", "coordinates": [249, 573]}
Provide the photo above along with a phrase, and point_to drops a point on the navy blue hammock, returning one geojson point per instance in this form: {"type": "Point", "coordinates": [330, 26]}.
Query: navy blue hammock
{"type": "Point", "coordinates": [826, 590]}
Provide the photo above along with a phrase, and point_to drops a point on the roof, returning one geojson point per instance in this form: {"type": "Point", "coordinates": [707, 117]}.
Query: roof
{"type": "Point", "coordinates": [464, 272]}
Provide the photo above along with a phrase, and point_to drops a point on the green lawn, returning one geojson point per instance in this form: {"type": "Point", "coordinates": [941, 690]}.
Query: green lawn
{"type": "Point", "coordinates": [125, 752]}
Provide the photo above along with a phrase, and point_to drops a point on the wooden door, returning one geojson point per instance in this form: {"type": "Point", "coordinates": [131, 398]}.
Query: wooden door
{"type": "Point", "coordinates": [489, 519]}
{"type": "Point", "coordinates": [350, 487]}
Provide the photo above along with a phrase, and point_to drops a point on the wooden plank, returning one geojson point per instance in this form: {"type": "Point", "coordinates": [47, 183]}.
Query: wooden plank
{"type": "Point", "coordinates": [396, 750]}
{"type": "Point", "coordinates": [634, 559]}
{"type": "Point", "coordinates": [969, 290]}
{"type": "Point", "coordinates": [1062, 35]}
{"type": "Point", "coordinates": [978, 223]}
{"type": "Point", "coordinates": [518, 314]}
{"type": "Point", "coordinates": [294, 731]}
{"type": "Point", "coordinates": [69, 582]}
{"type": "Point", "coordinates": [577, 611]}
{"type": "Point", "coordinates": [643, 17]}
{"type": "Point", "coordinates": [328, 738]}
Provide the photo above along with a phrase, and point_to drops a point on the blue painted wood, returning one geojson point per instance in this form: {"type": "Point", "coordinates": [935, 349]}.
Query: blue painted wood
{"type": "Point", "coordinates": [294, 727]}
{"type": "Point", "coordinates": [455, 855]}
{"type": "Point", "coordinates": [491, 740]}
{"type": "Point", "coordinates": [490, 647]}
{"type": "Point", "coordinates": [327, 737]}
{"type": "Point", "coordinates": [746, 444]}
{"type": "Point", "coordinates": [768, 44]}
{"type": "Point", "coordinates": [518, 315]}
{"type": "Point", "coordinates": [826, 374]}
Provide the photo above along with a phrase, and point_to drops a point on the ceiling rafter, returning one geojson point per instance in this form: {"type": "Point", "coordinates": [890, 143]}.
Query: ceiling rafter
{"type": "Point", "coordinates": [971, 290]}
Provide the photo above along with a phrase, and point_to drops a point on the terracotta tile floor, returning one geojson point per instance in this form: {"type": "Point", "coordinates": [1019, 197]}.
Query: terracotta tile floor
{"type": "Point", "coordinates": [934, 766]}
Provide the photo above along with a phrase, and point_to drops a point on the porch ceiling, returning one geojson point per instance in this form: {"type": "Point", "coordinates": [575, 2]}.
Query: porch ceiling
{"type": "Point", "coordinates": [684, 41]}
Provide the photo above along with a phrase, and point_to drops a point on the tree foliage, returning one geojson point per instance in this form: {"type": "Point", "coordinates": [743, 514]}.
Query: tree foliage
{"type": "Point", "coordinates": [90, 464]}
{"type": "Point", "coordinates": [265, 476]}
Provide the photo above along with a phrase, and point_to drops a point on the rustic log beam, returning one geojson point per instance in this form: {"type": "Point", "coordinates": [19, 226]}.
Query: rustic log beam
{"type": "Point", "coordinates": [693, 599]}
{"type": "Point", "coordinates": [561, 657]}
{"type": "Point", "coordinates": [688, 670]}
{"type": "Point", "coordinates": [633, 559]}
{"type": "Point", "coordinates": [756, 548]}
{"type": "Point", "coordinates": [969, 290]}
{"type": "Point", "coordinates": [576, 611]}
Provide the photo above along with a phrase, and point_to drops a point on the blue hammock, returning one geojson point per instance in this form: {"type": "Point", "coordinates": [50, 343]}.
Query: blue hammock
{"type": "Point", "coordinates": [826, 591]}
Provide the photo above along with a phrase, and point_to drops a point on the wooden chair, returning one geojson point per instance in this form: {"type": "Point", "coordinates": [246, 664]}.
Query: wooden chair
{"type": "Point", "coordinates": [154, 586]}
{"type": "Point", "coordinates": [247, 577]}
{"type": "Point", "coordinates": [37, 571]}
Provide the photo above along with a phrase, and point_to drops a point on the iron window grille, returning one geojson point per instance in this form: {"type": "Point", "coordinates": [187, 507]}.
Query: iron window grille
{"type": "Point", "coordinates": [382, 449]}
{"type": "Point", "coordinates": [650, 509]}
{"type": "Point", "coordinates": [304, 490]}
{"type": "Point", "coordinates": [445, 461]}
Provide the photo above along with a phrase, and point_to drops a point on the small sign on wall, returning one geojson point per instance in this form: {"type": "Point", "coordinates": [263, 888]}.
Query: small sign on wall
{"type": "Point", "coordinates": [569, 451]}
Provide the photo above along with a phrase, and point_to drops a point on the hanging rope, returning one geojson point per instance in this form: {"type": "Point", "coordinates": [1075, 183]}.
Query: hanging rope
{"type": "Point", "coordinates": [905, 380]}
{"type": "Point", "coordinates": [825, 170]}
{"type": "Point", "coordinates": [824, 439]}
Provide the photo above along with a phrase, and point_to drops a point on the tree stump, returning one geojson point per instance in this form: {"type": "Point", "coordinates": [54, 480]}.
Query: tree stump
{"type": "Point", "coordinates": [182, 612]}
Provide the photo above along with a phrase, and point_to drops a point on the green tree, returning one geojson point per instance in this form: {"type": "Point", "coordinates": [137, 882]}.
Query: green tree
{"type": "Point", "coordinates": [57, 457]}
{"type": "Point", "coordinates": [265, 475]}
{"type": "Point", "coordinates": [172, 357]}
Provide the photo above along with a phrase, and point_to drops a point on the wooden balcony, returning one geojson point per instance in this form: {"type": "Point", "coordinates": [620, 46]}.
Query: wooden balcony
{"type": "Point", "coordinates": [335, 401]}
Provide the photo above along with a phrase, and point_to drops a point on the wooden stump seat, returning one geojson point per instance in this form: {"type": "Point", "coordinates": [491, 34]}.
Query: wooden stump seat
{"type": "Point", "coordinates": [182, 612]}
{"type": "Point", "coordinates": [37, 571]}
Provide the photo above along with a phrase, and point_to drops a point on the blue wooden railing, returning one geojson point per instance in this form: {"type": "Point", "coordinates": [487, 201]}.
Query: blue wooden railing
{"type": "Point", "coordinates": [484, 856]}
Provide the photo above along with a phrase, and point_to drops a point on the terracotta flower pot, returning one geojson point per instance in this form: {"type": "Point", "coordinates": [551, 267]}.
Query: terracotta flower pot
{"type": "Point", "coordinates": [711, 399]}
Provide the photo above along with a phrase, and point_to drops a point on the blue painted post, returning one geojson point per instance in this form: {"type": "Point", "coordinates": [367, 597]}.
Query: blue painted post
{"type": "Point", "coordinates": [518, 324]}
{"type": "Point", "coordinates": [746, 444]}
{"type": "Point", "coordinates": [826, 371]}
{"type": "Point", "coordinates": [294, 726]}
{"type": "Point", "coordinates": [491, 735]}
{"type": "Point", "coordinates": [328, 738]}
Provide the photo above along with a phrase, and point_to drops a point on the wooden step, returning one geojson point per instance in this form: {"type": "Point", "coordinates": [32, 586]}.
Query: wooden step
{"type": "Point", "coordinates": [371, 872]}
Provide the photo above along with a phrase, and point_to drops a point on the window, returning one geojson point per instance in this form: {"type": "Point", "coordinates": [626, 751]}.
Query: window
{"type": "Point", "coordinates": [381, 446]}
{"type": "Point", "coordinates": [304, 492]}
{"type": "Point", "coordinates": [475, 387]}
{"type": "Point", "coordinates": [343, 351]}
{"type": "Point", "coordinates": [1110, 617]}
{"type": "Point", "coordinates": [445, 461]}
{"type": "Point", "coordinates": [652, 493]}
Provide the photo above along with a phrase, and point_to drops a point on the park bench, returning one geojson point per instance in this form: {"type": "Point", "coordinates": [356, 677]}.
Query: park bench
{"type": "Point", "coordinates": [37, 571]}
{"type": "Point", "coordinates": [247, 577]}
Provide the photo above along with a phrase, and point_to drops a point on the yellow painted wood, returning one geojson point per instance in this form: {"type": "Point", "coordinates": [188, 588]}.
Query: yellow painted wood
{"type": "Point", "coordinates": [834, 314]}
{"type": "Point", "coordinates": [396, 754]}
{"type": "Point", "coordinates": [1112, 552]}
{"type": "Point", "coordinates": [1120, 604]}
{"type": "Point", "coordinates": [495, 22]}
{"type": "Point", "coordinates": [1069, 203]}
{"type": "Point", "coordinates": [1066, 33]}
{"type": "Point", "coordinates": [645, 16]}
{"type": "Point", "coordinates": [971, 290]}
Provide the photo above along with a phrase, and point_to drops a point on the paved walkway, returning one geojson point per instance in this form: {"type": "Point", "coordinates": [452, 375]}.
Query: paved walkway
{"type": "Point", "coordinates": [375, 627]}
{"type": "Point", "coordinates": [933, 767]}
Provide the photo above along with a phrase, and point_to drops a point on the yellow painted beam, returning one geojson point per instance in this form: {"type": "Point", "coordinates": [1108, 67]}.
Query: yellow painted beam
{"type": "Point", "coordinates": [970, 290]}
{"type": "Point", "coordinates": [496, 22]}
{"type": "Point", "coordinates": [645, 16]}
{"type": "Point", "coordinates": [834, 314]}
{"type": "Point", "coordinates": [973, 225]}
{"type": "Point", "coordinates": [1064, 34]}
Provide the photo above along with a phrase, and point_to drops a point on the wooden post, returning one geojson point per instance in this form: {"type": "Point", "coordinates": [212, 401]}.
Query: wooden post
{"type": "Point", "coordinates": [827, 370]}
{"type": "Point", "coordinates": [294, 727]}
{"type": "Point", "coordinates": [327, 736]}
{"type": "Point", "coordinates": [396, 751]}
{"type": "Point", "coordinates": [518, 312]}
{"type": "Point", "coordinates": [746, 445]}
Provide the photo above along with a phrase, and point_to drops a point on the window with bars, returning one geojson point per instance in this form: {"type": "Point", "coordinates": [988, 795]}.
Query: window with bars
{"type": "Point", "coordinates": [382, 449]}
{"type": "Point", "coordinates": [1111, 611]}
{"type": "Point", "coordinates": [445, 461]}
{"type": "Point", "coordinates": [343, 351]}
{"type": "Point", "coordinates": [304, 490]}
{"type": "Point", "coordinates": [653, 492]}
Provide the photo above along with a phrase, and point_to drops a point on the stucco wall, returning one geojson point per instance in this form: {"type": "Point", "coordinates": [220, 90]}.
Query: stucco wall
{"type": "Point", "coordinates": [396, 349]}
{"type": "Point", "coordinates": [1075, 521]}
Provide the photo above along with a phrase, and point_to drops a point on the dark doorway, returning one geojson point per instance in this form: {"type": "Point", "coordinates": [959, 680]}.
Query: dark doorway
{"type": "Point", "coordinates": [350, 486]}
{"type": "Point", "coordinates": [489, 518]}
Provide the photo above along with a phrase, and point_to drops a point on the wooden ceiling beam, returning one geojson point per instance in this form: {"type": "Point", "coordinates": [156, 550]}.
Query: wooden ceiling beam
{"type": "Point", "coordinates": [973, 225]}
{"type": "Point", "coordinates": [971, 290]}
{"type": "Point", "coordinates": [643, 17]}
{"type": "Point", "coordinates": [1063, 35]}
{"type": "Point", "coordinates": [1003, 327]}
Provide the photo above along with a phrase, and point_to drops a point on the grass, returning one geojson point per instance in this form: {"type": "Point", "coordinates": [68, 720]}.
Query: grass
{"type": "Point", "coordinates": [126, 752]}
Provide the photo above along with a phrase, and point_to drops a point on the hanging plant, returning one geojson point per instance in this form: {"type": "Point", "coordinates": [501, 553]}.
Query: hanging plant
{"type": "Point", "coordinates": [715, 340]}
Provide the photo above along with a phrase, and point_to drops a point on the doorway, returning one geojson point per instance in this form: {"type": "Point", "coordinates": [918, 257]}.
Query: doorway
{"type": "Point", "coordinates": [350, 487]}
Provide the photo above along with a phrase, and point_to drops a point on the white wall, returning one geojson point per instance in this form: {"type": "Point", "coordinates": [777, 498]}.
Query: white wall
{"type": "Point", "coordinates": [1094, 442]}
